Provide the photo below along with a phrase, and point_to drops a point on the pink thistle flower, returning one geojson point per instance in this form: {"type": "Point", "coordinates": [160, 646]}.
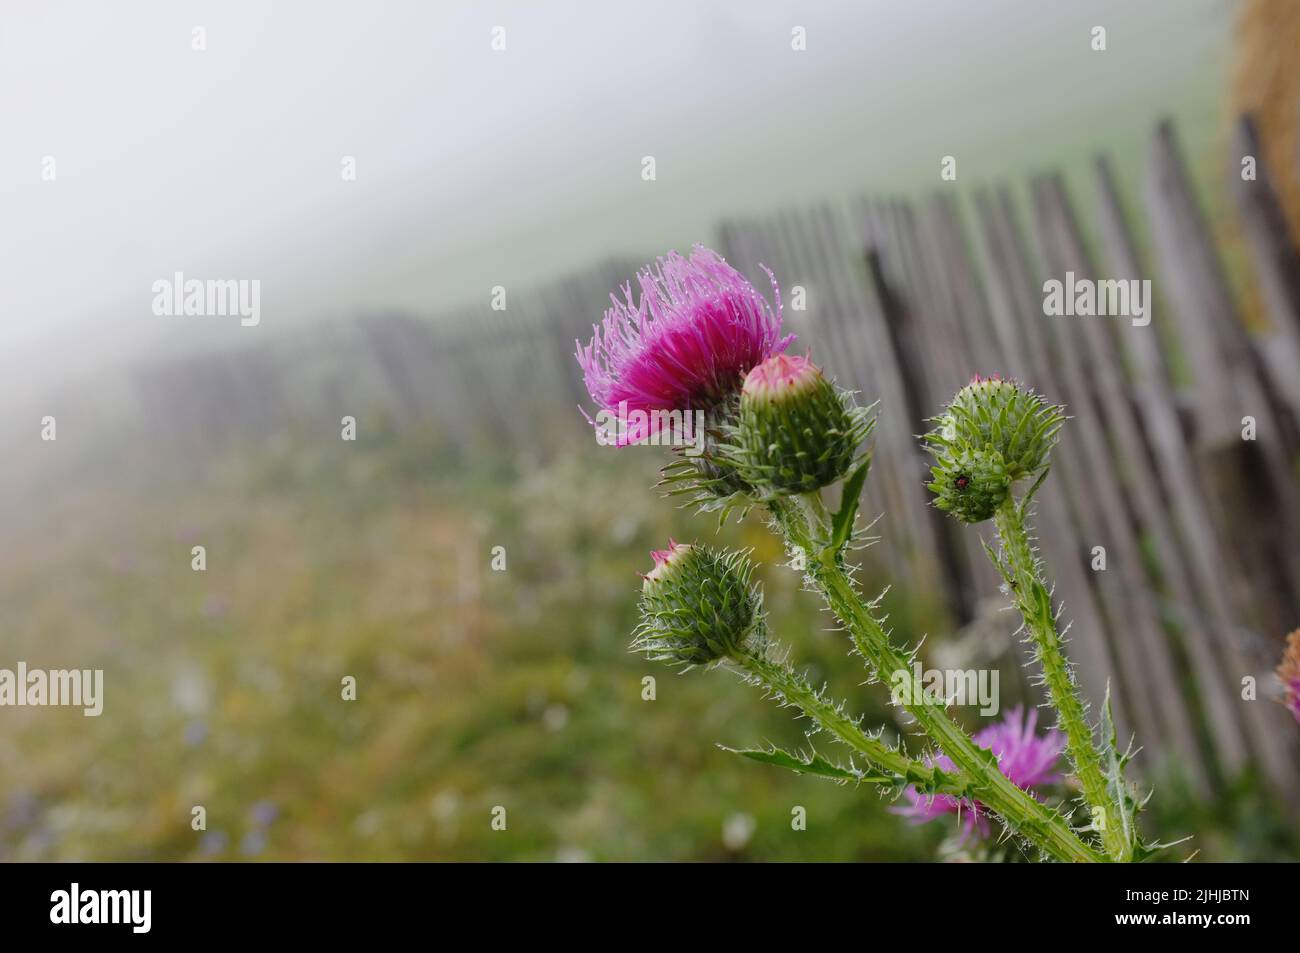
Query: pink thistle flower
{"type": "Point", "coordinates": [686, 345]}
{"type": "Point", "coordinates": [1289, 673]}
{"type": "Point", "coordinates": [1028, 760]}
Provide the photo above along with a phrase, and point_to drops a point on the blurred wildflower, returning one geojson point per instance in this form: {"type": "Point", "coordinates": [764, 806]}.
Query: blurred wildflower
{"type": "Point", "coordinates": [212, 843]}
{"type": "Point", "coordinates": [264, 813]}
{"type": "Point", "coordinates": [1029, 760]}
{"type": "Point", "coordinates": [737, 830]}
{"type": "Point", "coordinates": [555, 717]}
{"type": "Point", "coordinates": [254, 843]}
{"type": "Point", "coordinates": [216, 607]}
{"type": "Point", "coordinates": [190, 690]}
{"type": "Point", "coordinates": [1289, 673]}
{"type": "Point", "coordinates": [445, 806]}
{"type": "Point", "coordinates": [196, 732]}
{"type": "Point", "coordinates": [22, 813]}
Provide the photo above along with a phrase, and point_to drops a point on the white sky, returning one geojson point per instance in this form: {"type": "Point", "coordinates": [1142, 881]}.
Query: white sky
{"type": "Point", "coordinates": [478, 168]}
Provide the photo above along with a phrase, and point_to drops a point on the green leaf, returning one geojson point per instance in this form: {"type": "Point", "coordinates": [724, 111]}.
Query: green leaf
{"type": "Point", "coordinates": [813, 764]}
{"type": "Point", "coordinates": [842, 525]}
{"type": "Point", "coordinates": [997, 564]}
{"type": "Point", "coordinates": [1121, 794]}
{"type": "Point", "coordinates": [1042, 604]}
{"type": "Point", "coordinates": [1024, 500]}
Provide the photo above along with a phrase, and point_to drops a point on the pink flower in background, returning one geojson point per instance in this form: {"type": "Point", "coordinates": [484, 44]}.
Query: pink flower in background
{"type": "Point", "coordinates": [1029, 760]}
{"type": "Point", "coordinates": [697, 329]}
{"type": "Point", "coordinates": [1289, 673]}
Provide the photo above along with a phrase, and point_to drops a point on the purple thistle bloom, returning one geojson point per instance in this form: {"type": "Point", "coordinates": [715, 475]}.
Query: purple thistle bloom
{"type": "Point", "coordinates": [687, 344]}
{"type": "Point", "coordinates": [1027, 759]}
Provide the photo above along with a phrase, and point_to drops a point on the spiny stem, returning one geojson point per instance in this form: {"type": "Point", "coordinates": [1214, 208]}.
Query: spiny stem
{"type": "Point", "coordinates": [793, 688]}
{"type": "Point", "coordinates": [804, 524]}
{"type": "Point", "coordinates": [1035, 604]}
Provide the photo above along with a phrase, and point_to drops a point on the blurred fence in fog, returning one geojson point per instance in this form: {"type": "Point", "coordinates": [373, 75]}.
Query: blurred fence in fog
{"type": "Point", "coordinates": [906, 301]}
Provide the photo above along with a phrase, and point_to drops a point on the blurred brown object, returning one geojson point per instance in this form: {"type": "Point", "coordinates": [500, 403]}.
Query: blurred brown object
{"type": "Point", "coordinates": [1266, 84]}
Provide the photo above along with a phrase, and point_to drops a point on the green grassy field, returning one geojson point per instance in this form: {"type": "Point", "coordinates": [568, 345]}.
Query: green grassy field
{"type": "Point", "coordinates": [475, 688]}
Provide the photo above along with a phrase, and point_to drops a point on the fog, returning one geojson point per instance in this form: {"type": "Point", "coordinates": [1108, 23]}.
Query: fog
{"type": "Point", "coordinates": [476, 167]}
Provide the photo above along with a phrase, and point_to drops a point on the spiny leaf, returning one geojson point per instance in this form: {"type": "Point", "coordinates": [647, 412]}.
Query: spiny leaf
{"type": "Point", "coordinates": [842, 526]}
{"type": "Point", "coordinates": [813, 764]}
{"type": "Point", "coordinates": [1120, 794]}
{"type": "Point", "coordinates": [1042, 603]}
{"type": "Point", "coordinates": [1143, 852]}
{"type": "Point", "coordinates": [1024, 501]}
{"type": "Point", "coordinates": [998, 564]}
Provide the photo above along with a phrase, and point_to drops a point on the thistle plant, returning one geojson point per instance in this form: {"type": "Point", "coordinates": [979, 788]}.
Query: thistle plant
{"type": "Point", "coordinates": [782, 437]}
{"type": "Point", "coordinates": [995, 434]}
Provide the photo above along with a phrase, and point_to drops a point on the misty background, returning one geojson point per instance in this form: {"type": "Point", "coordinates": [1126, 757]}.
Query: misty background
{"type": "Point", "coordinates": [478, 168]}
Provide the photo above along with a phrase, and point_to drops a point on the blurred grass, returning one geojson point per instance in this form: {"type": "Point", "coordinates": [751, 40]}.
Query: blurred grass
{"type": "Point", "coordinates": [475, 688]}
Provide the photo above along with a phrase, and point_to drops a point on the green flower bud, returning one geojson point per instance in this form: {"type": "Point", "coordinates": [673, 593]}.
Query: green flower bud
{"type": "Point", "coordinates": [970, 484]}
{"type": "Point", "coordinates": [1005, 416]}
{"type": "Point", "coordinates": [698, 605]}
{"type": "Point", "coordinates": [796, 431]}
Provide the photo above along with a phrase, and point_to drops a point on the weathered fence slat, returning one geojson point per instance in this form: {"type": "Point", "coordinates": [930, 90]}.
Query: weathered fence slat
{"type": "Point", "coordinates": [1110, 387]}
{"type": "Point", "coordinates": [1275, 259]}
{"type": "Point", "coordinates": [892, 234]}
{"type": "Point", "coordinates": [1229, 381]}
{"type": "Point", "coordinates": [1089, 451]}
{"type": "Point", "coordinates": [1245, 726]}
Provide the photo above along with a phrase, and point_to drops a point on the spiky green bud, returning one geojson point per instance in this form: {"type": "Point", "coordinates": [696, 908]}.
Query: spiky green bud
{"type": "Point", "coordinates": [991, 413]}
{"type": "Point", "coordinates": [698, 605]}
{"type": "Point", "coordinates": [970, 484]}
{"type": "Point", "coordinates": [797, 432]}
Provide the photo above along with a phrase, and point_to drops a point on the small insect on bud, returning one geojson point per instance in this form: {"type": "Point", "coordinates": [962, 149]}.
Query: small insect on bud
{"type": "Point", "coordinates": [991, 413]}
{"type": "Point", "coordinates": [970, 484]}
{"type": "Point", "coordinates": [797, 432]}
{"type": "Point", "coordinates": [698, 606]}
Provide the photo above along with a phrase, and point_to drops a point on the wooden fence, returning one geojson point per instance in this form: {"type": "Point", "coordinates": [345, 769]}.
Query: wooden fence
{"type": "Point", "coordinates": [905, 302]}
{"type": "Point", "coordinates": [1199, 526]}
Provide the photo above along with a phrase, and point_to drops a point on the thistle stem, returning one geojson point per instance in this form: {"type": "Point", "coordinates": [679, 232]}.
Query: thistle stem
{"type": "Point", "coordinates": [793, 688]}
{"type": "Point", "coordinates": [806, 526]}
{"type": "Point", "coordinates": [1024, 572]}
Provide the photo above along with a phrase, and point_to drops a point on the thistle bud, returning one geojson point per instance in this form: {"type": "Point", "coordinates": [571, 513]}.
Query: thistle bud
{"type": "Point", "coordinates": [970, 484]}
{"type": "Point", "coordinates": [796, 431]}
{"type": "Point", "coordinates": [1005, 416]}
{"type": "Point", "coordinates": [698, 605]}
